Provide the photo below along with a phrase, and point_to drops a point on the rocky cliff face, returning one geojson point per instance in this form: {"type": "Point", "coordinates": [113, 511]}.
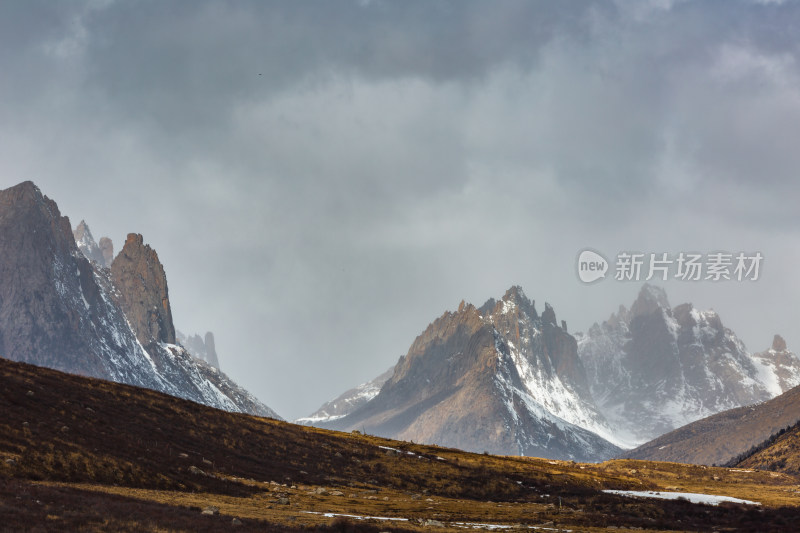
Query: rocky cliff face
{"type": "Point", "coordinates": [500, 379]}
{"type": "Point", "coordinates": [59, 310]}
{"type": "Point", "coordinates": [142, 284]}
{"type": "Point", "coordinates": [655, 368]}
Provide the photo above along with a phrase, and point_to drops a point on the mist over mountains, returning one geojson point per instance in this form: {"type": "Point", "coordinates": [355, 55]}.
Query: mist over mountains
{"type": "Point", "coordinates": [505, 379]}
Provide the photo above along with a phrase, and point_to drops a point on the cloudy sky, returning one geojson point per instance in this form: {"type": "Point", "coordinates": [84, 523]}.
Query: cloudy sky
{"type": "Point", "coordinates": [322, 179]}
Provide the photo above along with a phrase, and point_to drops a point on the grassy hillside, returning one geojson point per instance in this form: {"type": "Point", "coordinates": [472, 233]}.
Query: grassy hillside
{"type": "Point", "coordinates": [720, 438]}
{"type": "Point", "coordinates": [80, 454]}
{"type": "Point", "coordinates": [779, 453]}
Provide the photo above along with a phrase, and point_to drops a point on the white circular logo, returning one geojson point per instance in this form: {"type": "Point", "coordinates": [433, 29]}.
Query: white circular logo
{"type": "Point", "coordinates": [591, 266]}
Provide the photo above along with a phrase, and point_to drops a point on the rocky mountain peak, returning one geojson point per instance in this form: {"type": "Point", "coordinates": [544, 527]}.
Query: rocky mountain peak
{"type": "Point", "coordinates": [649, 300]}
{"type": "Point", "coordinates": [653, 369]}
{"type": "Point", "coordinates": [515, 294]}
{"type": "Point", "coordinates": [139, 276]}
{"type": "Point", "coordinates": [42, 278]}
{"type": "Point", "coordinates": [513, 301]}
{"type": "Point", "coordinates": [778, 344]}
{"type": "Point", "coordinates": [32, 218]}
{"type": "Point", "coordinates": [87, 245]}
{"type": "Point", "coordinates": [82, 231]}
{"type": "Point", "coordinates": [25, 192]}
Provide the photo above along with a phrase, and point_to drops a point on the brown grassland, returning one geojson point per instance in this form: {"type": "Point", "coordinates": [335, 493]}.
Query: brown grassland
{"type": "Point", "coordinates": [79, 454]}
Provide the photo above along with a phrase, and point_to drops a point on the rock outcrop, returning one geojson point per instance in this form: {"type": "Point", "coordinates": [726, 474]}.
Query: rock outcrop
{"type": "Point", "coordinates": [142, 284]}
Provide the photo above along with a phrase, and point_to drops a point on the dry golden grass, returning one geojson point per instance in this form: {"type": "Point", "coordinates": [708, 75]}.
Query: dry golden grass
{"type": "Point", "coordinates": [136, 460]}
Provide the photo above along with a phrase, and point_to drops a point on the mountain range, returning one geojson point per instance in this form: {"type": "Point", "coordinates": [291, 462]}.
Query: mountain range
{"type": "Point", "coordinates": [506, 379]}
{"type": "Point", "coordinates": [501, 378]}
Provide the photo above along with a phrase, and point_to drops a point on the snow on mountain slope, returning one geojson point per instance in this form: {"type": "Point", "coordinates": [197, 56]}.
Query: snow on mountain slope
{"type": "Point", "coordinates": [59, 310]}
{"type": "Point", "coordinates": [527, 372]}
{"type": "Point", "coordinates": [499, 378]}
{"type": "Point", "coordinates": [655, 368]}
{"type": "Point", "coordinates": [348, 401]}
{"type": "Point", "coordinates": [778, 368]}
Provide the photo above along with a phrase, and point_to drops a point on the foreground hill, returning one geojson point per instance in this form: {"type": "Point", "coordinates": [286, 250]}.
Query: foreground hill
{"type": "Point", "coordinates": [720, 438]}
{"type": "Point", "coordinates": [779, 453]}
{"type": "Point", "coordinates": [81, 454]}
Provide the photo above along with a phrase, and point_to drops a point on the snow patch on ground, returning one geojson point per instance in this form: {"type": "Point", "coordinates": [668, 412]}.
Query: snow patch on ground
{"type": "Point", "coordinates": [693, 497]}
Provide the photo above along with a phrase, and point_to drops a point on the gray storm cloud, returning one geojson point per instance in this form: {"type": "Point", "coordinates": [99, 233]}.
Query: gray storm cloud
{"type": "Point", "coordinates": [323, 179]}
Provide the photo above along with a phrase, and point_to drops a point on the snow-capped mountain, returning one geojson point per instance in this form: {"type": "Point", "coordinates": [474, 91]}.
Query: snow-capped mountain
{"type": "Point", "coordinates": [499, 378]}
{"type": "Point", "coordinates": [654, 368]}
{"type": "Point", "coordinates": [348, 401]}
{"type": "Point", "coordinates": [60, 310]}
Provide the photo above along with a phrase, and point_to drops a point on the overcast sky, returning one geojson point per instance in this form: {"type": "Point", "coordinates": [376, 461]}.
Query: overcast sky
{"type": "Point", "coordinates": [323, 179]}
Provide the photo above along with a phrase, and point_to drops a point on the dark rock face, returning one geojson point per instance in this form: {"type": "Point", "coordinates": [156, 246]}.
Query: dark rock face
{"type": "Point", "coordinates": [139, 276]}
{"type": "Point", "coordinates": [60, 310]}
{"type": "Point", "coordinates": [498, 379]}
{"type": "Point", "coordinates": [51, 305]}
{"type": "Point", "coordinates": [778, 344]}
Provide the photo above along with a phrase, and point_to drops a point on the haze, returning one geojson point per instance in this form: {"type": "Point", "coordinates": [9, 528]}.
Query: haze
{"type": "Point", "coordinates": [323, 179]}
